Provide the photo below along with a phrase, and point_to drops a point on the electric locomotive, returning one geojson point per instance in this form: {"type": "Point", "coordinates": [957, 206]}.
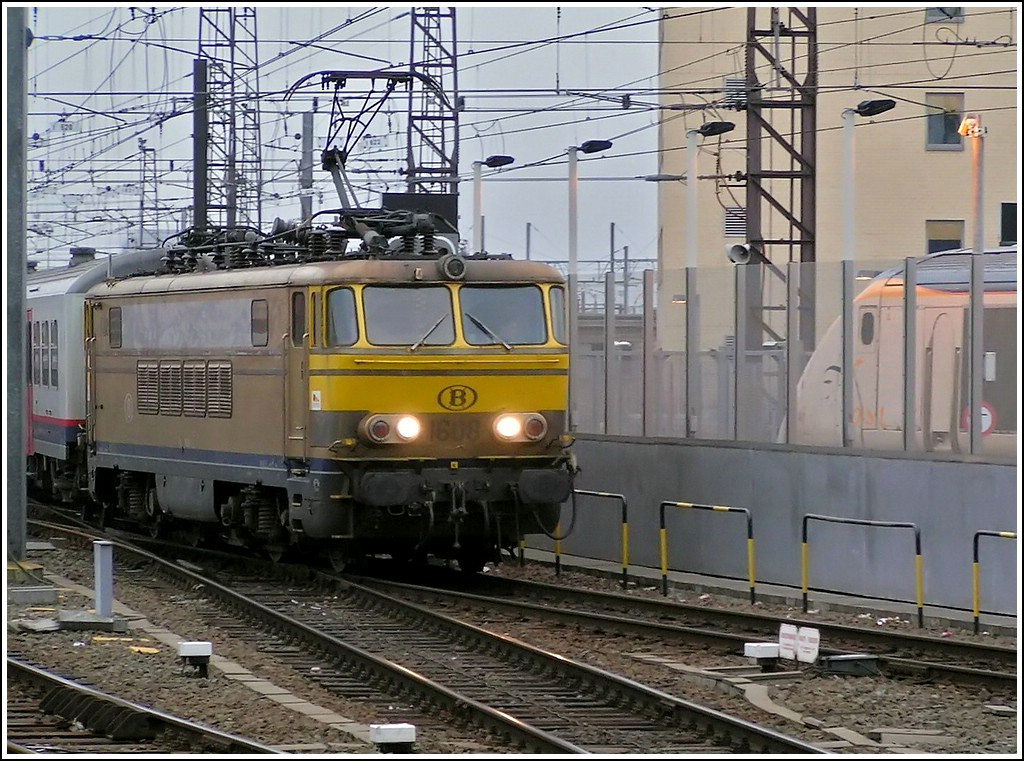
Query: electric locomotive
{"type": "Point", "coordinates": [350, 388]}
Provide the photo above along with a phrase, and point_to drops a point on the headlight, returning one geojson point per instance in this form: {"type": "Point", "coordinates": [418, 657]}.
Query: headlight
{"type": "Point", "coordinates": [508, 427]}
{"type": "Point", "coordinates": [408, 427]}
{"type": "Point", "coordinates": [389, 429]}
{"type": "Point", "coordinates": [535, 428]}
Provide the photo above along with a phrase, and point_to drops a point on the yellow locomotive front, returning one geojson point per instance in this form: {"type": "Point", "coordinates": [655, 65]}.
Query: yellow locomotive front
{"type": "Point", "coordinates": [427, 406]}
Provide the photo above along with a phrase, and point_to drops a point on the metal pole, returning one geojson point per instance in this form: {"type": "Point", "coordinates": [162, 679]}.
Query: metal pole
{"type": "Point", "coordinates": [625, 279]}
{"type": "Point", "coordinates": [611, 251]}
{"type": "Point", "coordinates": [610, 366]}
{"type": "Point", "coordinates": [691, 198]}
{"type": "Point", "coordinates": [200, 135]}
{"type": "Point", "coordinates": [103, 581]}
{"type": "Point", "coordinates": [794, 348]}
{"type": "Point", "coordinates": [693, 394]}
{"type": "Point", "coordinates": [910, 354]}
{"type": "Point", "coordinates": [977, 355]}
{"type": "Point", "coordinates": [17, 163]}
{"type": "Point", "coordinates": [573, 286]}
{"type": "Point", "coordinates": [647, 368]}
{"type": "Point", "coordinates": [478, 200]}
{"type": "Point", "coordinates": [306, 167]}
{"type": "Point", "coordinates": [848, 368]}
{"type": "Point", "coordinates": [527, 241]}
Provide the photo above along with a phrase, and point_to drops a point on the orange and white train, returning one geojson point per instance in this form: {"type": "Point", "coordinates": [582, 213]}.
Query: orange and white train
{"type": "Point", "coordinates": [942, 388]}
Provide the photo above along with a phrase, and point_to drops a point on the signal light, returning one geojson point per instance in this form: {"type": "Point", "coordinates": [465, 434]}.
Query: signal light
{"type": "Point", "coordinates": [379, 429]}
{"type": "Point", "coordinates": [535, 427]}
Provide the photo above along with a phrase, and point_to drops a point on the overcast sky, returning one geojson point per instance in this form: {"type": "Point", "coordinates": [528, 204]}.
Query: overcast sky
{"type": "Point", "coordinates": [100, 78]}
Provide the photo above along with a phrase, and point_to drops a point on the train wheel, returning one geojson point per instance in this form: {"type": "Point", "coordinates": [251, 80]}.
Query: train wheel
{"type": "Point", "coordinates": [277, 552]}
{"type": "Point", "coordinates": [157, 526]}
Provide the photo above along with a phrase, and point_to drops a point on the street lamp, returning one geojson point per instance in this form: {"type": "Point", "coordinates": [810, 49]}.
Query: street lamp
{"type": "Point", "coordinates": [971, 127]}
{"type": "Point", "coordinates": [864, 108]}
{"type": "Point", "coordinates": [590, 146]}
{"type": "Point", "coordinates": [492, 162]}
{"type": "Point", "coordinates": [708, 129]}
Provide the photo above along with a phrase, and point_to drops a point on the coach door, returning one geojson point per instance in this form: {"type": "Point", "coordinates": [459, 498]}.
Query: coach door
{"type": "Point", "coordinates": [296, 377]}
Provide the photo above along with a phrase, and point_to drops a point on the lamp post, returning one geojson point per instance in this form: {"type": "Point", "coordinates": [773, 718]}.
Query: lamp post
{"type": "Point", "coordinates": [864, 108]}
{"type": "Point", "coordinates": [590, 146]}
{"type": "Point", "coordinates": [971, 127]}
{"type": "Point", "coordinates": [492, 162]}
{"type": "Point", "coordinates": [693, 393]}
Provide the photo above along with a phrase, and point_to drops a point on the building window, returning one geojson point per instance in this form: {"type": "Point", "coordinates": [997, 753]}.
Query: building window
{"type": "Point", "coordinates": [945, 112]}
{"type": "Point", "coordinates": [735, 222]}
{"type": "Point", "coordinates": [1007, 224]}
{"type": "Point", "coordinates": [944, 234]}
{"type": "Point", "coordinates": [943, 15]}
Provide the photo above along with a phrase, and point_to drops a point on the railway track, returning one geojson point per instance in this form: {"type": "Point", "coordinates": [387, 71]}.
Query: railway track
{"type": "Point", "coordinates": [47, 713]}
{"type": "Point", "coordinates": [361, 641]}
{"type": "Point", "coordinates": [898, 653]}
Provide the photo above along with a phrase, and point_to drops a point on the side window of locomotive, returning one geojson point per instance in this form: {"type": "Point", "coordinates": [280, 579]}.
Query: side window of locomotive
{"type": "Point", "coordinates": [867, 327]}
{"type": "Point", "coordinates": [314, 327]}
{"type": "Point", "coordinates": [342, 327]}
{"type": "Point", "coordinates": [558, 314]}
{"type": "Point", "coordinates": [418, 316]}
{"type": "Point", "coordinates": [259, 317]}
{"type": "Point", "coordinates": [45, 345]}
{"type": "Point", "coordinates": [36, 374]}
{"type": "Point", "coordinates": [298, 318]}
{"type": "Point", "coordinates": [53, 353]}
{"type": "Point", "coordinates": [510, 314]}
{"type": "Point", "coordinates": [114, 327]}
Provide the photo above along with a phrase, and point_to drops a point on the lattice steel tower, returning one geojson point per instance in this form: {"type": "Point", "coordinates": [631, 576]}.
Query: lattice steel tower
{"type": "Point", "coordinates": [432, 145]}
{"type": "Point", "coordinates": [228, 42]}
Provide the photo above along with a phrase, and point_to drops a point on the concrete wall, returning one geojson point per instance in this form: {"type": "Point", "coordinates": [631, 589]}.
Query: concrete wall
{"type": "Point", "coordinates": [948, 501]}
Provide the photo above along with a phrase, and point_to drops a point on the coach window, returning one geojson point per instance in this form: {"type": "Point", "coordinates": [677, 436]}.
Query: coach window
{"type": "Point", "coordinates": [36, 376]}
{"type": "Point", "coordinates": [114, 328]}
{"type": "Point", "coordinates": [259, 322]}
{"type": "Point", "coordinates": [558, 314]}
{"type": "Point", "coordinates": [944, 15]}
{"type": "Point", "coordinates": [298, 318]}
{"type": "Point", "coordinates": [342, 329]}
{"type": "Point", "coordinates": [867, 327]}
{"type": "Point", "coordinates": [53, 353]}
{"type": "Point", "coordinates": [944, 113]}
{"type": "Point", "coordinates": [44, 344]}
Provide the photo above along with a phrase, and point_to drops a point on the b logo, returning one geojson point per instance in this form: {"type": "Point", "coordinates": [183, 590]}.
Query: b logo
{"type": "Point", "coordinates": [457, 398]}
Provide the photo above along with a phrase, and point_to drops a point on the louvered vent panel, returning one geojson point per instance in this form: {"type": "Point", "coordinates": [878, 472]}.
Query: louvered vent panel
{"type": "Point", "coordinates": [735, 222]}
{"type": "Point", "coordinates": [147, 375]}
{"type": "Point", "coordinates": [194, 374]}
{"type": "Point", "coordinates": [170, 388]}
{"type": "Point", "coordinates": [218, 403]}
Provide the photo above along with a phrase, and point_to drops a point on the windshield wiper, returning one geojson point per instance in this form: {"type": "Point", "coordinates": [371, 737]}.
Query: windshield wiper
{"type": "Point", "coordinates": [426, 335]}
{"type": "Point", "coordinates": [489, 332]}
